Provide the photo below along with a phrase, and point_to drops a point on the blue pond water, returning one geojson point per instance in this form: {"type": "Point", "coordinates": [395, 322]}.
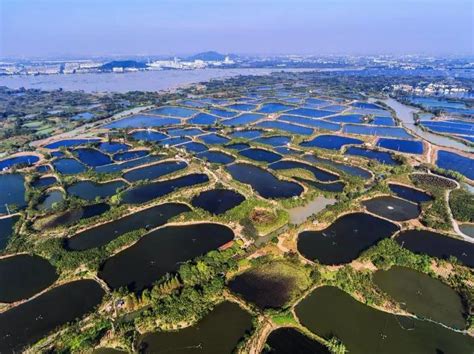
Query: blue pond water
{"type": "Point", "coordinates": [286, 150]}
{"type": "Point", "coordinates": [130, 155]}
{"type": "Point", "coordinates": [383, 121]}
{"type": "Point", "coordinates": [216, 157]}
{"type": "Point", "coordinates": [310, 112]}
{"type": "Point", "coordinates": [276, 140]}
{"type": "Point", "coordinates": [318, 173]}
{"type": "Point", "coordinates": [347, 118]}
{"type": "Point", "coordinates": [6, 229]}
{"type": "Point", "coordinates": [57, 154]}
{"type": "Point", "coordinates": [315, 123]}
{"type": "Point", "coordinates": [43, 182]}
{"type": "Point", "coordinates": [334, 108]}
{"type": "Point", "coordinates": [365, 105]}
{"type": "Point", "coordinates": [223, 113]}
{"type": "Point", "coordinates": [69, 142]}
{"type": "Point", "coordinates": [194, 147]}
{"type": "Point", "coordinates": [90, 190]}
{"type": "Point", "coordinates": [316, 102]}
{"type": "Point", "coordinates": [332, 142]}
{"type": "Point", "coordinates": [407, 146]}
{"type": "Point", "coordinates": [380, 156]}
{"type": "Point", "coordinates": [68, 166]}
{"type": "Point", "coordinates": [350, 170]}
{"type": "Point", "coordinates": [410, 194]}
{"type": "Point", "coordinates": [117, 167]}
{"type": "Point", "coordinates": [287, 127]}
{"type": "Point", "coordinates": [154, 171]}
{"type": "Point", "coordinates": [47, 201]}
{"type": "Point", "coordinates": [112, 148]}
{"type": "Point", "coordinates": [175, 141]}
{"type": "Point", "coordinates": [92, 157]}
{"type": "Point", "coordinates": [27, 160]}
{"type": "Point", "coordinates": [245, 118]}
{"type": "Point", "coordinates": [263, 182]}
{"type": "Point", "coordinates": [395, 132]}
{"type": "Point", "coordinates": [451, 161]}
{"type": "Point", "coordinates": [147, 192]}
{"type": "Point", "coordinates": [203, 119]}
{"type": "Point", "coordinates": [43, 169]}
{"type": "Point", "coordinates": [12, 191]}
{"type": "Point", "coordinates": [83, 116]}
{"type": "Point", "coordinates": [173, 111]}
{"type": "Point", "coordinates": [184, 132]}
{"type": "Point", "coordinates": [243, 107]}
{"type": "Point", "coordinates": [274, 107]}
{"type": "Point", "coordinates": [247, 134]}
{"type": "Point", "coordinates": [194, 104]}
{"type": "Point", "coordinates": [450, 127]}
{"type": "Point", "coordinates": [238, 146]}
{"type": "Point", "coordinates": [214, 139]}
{"type": "Point", "coordinates": [148, 135]}
{"type": "Point", "coordinates": [258, 154]}
{"type": "Point", "coordinates": [142, 121]}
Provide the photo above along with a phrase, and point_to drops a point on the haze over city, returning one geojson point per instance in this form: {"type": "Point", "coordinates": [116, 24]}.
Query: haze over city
{"type": "Point", "coordinates": [55, 28]}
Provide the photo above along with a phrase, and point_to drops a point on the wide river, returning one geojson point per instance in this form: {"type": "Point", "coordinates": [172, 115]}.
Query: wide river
{"type": "Point", "coordinates": [134, 81]}
{"type": "Point", "coordinates": [405, 114]}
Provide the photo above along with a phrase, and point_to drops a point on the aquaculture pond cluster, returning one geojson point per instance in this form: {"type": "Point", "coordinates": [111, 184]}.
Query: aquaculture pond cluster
{"type": "Point", "coordinates": [262, 214]}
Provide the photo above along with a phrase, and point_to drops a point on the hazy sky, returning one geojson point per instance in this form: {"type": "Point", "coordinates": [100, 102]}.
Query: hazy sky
{"type": "Point", "coordinates": [47, 28]}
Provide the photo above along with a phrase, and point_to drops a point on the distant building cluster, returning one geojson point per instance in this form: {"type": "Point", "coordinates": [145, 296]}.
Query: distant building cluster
{"type": "Point", "coordinates": [430, 89]}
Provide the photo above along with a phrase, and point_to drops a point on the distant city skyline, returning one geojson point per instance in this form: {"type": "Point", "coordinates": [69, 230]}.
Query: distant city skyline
{"type": "Point", "coordinates": [82, 28]}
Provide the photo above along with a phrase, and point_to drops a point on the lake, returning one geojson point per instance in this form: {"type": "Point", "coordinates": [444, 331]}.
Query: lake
{"type": "Point", "coordinates": [160, 252]}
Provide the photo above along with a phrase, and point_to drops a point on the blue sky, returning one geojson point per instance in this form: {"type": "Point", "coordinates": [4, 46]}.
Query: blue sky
{"type": "Point", "coordinates": [48, 28]}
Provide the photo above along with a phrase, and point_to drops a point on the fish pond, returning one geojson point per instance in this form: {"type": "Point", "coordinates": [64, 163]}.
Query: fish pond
{"type": "Point", "coordinates": [160, 252]}
{"type": "Point", "coordinates": [90, 190]}
{"type": "Point", "coordinates": [422, 295]}
{"type": "Point", "coordinates": [286, 127]}
{"type": "Point", "coordinates": [263, 182]}
{"type": "Point", "coordinates": [406, 146]}
{"type": "Point", "coordinates": [286, 340]}
{"type": "Point", "coordinates": [216, 157]}
{"type": "Point", "coordinates": [154, 171]}
{"type": "Point", "coordinates": [68, 166]}
{"type": "Point", "coordinates": [23, 275]}
{"type": "Point", "coordinates": [7, 226]}
{"type": "Point", "coordinates": [367, 330]}
{"type": "Point", "coordinates": [332, 142]}
{"type": "Point", "coordinates": [380, 156]}
{"type": "Point", "coordinates": [25, 160]}
{"type": "Point", "coordinates": [217, 333]}
{"type": "Point", "coordinates": [345, 239]}
{"type": "Point", "coordinates": [217, 201]}
{"type": "Point", "coordinates": [262, 155]}
{"type": "Point", "coordinates": [147, 192]}
{"type": "Point", "coordinates": [12, 192]}
{"type": "Point", "coordinates": [392, 208]}
{"type": "Point", "coordinates": [451, 161]}
{"type": "Point", "coordinates": [408, 193]}
{"type": "Point", "coordinates": [437, 245]}
{"type": "Point", "coordinates": [50, 310]}
{"type": "Point", "coordinates": [318, 173]}
{"type": "Point", "coordinates": [92, 157]}
{"type": "Point", "coordinates": [145, 219]}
